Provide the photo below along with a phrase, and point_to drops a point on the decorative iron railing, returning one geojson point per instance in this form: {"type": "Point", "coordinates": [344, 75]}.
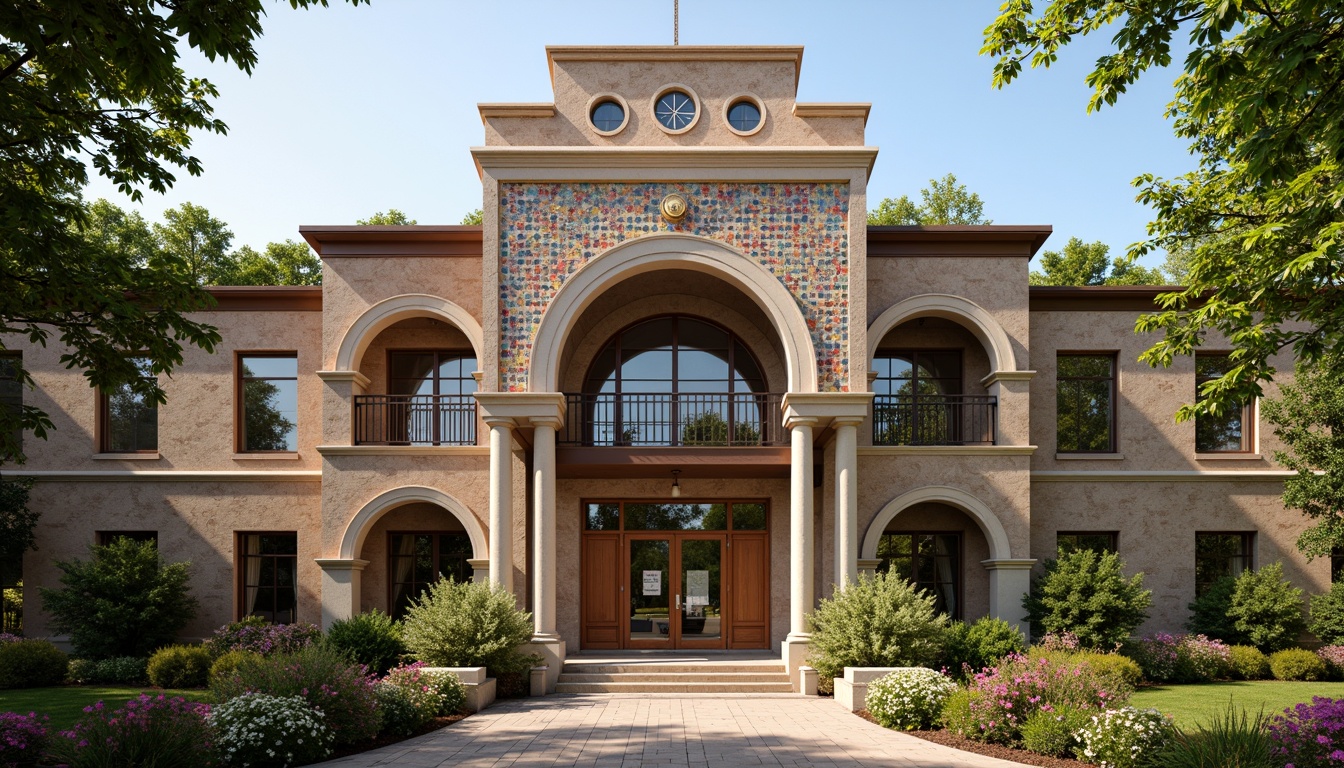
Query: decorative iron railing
{"type": "Point", "coordinates": [683, 419]}
{"type": "Point", "coordinates": [934, 419]}
{"type": "Point", "coordinates": [415, 420]}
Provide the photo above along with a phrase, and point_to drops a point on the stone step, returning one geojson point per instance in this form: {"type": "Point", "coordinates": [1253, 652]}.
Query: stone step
{"type": "Point", "coordinates": [708, 669]}
{"type": "Point", "coordinates": [684, 687]}
{"type": "Point", "coordinates": [651, 676]}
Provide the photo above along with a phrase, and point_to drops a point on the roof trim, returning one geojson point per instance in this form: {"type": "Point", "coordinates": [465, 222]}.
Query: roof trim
{"type": "Point", "coordinates": [958, 240]}
{"type": "Point", "coordinates": [414, 240]}
{"type": "Point", "coordinates": [793, 53]}
{"type": "Point", "coordinates": [1098, 298]}
{"type": "Point", "coordinates": [520, 109]}
{"type": "Point", "coordinates": [833, 109]}
{"type": "Point", "coordinates": [265, 298]}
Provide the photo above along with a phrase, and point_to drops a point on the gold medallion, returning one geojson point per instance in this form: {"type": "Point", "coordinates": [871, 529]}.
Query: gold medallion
{"type": "Point", "coordinates": [674, 208]}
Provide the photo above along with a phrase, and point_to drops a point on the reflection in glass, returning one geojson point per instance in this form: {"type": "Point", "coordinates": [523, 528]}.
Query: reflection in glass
{"type": "Point", "coordinates": [701, 614]}
{"type": "Point", "coordinates": [270, 564]}
{"type": "Point", "coordinates": [748, 517]}
{"type": "Point", "coordinates": [417, 560]}
{"type": "Point", "coordinates": [650, 617]}
{"type": "Point", "coordinates": [603, 517]}
{"type": "Point", "coordinates": [131, 420]}
{"type": "Point", "coordinates": [676, 517]}
{"type": "Point", "coordinates": [1085, 393]}
{"type": "Point", "coordinates": [930, 561]}
{"type": "Point", "coordinates": [1222, 432]}
{"type": "Point", "coordinates": [1219, 556]}
{"type": "Point", "coordinates": [270, 403]}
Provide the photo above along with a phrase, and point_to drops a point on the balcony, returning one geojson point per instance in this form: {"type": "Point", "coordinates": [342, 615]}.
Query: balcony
{"type": "Point", "coordinates": [415, 420]}
{"type": "Point", "coordinates": [674, 420]}
{"type": "Point", "coordinates": [934, 419]}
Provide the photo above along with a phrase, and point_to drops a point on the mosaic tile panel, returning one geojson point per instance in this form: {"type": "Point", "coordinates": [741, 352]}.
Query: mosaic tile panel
{"type": "Point", "coordinates": [796, 231]}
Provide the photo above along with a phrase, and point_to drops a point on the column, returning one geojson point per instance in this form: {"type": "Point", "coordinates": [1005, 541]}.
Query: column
{"type": "Point", "coordinates": [501, 501]}
{"type": "Point", "coordinates": [802, 566]}
{"type": "Point", "coordinates": [846, 500]}
{"type": "Point", "coordinates": [340, 588]}
{"type": "Point", "coordinates": [543, 529]}
{"type": "Point", "coordinates": [1009, 580]}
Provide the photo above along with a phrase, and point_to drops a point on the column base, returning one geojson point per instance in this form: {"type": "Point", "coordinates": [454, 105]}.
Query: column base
{"type": "Point", "coordinates": [552, 650]}
{"type": "Point", "coordinates": [793, 652]}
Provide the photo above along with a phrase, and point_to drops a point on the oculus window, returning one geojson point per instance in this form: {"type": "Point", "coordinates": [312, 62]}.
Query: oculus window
{"type": "Point", "coordinates": [744, 116]}
{"type": "Point", "coordinates": [675, 110]}
{"type": "Point", "coordinates": [608, 116]}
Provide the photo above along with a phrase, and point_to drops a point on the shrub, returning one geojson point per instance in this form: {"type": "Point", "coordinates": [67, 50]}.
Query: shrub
{"type": "Point", "coordinates": [1002, 698]}
{"type": "Point", "coordinates": [372, 639]}
{"type": "Point", "coordinates": [1327, 615]}
{"type": "Point", "coordinates": [1309, 735]}
{"type": "Point", "coordinates": [1086, 593]}
{"type": "Point", "coordinates": [6, 637]}
{"type": "Point", "coordinates": [1168, 658]}
{"type": "Point", "coordinates": [1297, 664]}
{"type": "Point", "coordinates": [1125, 738]}
{"type": "Point", "coordinates": [1122, 672]}
{"type": "Point", "coordinates": [257, 729]}
{"type": "Point", "coordinates": [149, 731]}
{"type": "Point", "coordinates": [327, 680]}
{"type": "Point", "coordinates": [1060, 641]}
{"type": "Point", "coordinates": [179, 666]}
{"type": "Point", "coordinates": [1267, 608]}
{"type": "Point", "coordinates": [31, 664]}
{"type": "Point", "coordinates": [441, 693]}
{"type": "Point", "coordinates": [260, 636]}
{"type": "Point", "coordinates": [23, 738]}
{"type": "Point", "coordinates": [397, 713]}
{"type": "Point", "coordinates": [957, 716]}
{"type": "Point", "coordinates": [123, 601]}
{"type": "Point", "coordinates": [468, 624]}
{"type": "Point", "coordinates": [1333, 656]}
{"type": "Point", "coordinates": [981, 644]}
{"type": "Point", "coordinates": [1054, 731]}
{"type": "Point", "coordinates": [1248, 663]}
{"type": "Point", "coordinates": [121, 670]}
{"type": "Point", "coordinates": [877, 621]}
{"type": "Point", "coordinates": [909, 699]}
{"type": "Point", "coordinates": [226, 665]}
{"type": "Point", "coordinates": [1209, 617]}
{"type": "Point", "coordinates": [1233, 740]}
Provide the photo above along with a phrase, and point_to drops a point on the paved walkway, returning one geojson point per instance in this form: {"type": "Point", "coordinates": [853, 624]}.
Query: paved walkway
{"type": "Point", "coordinates": [643, 729]}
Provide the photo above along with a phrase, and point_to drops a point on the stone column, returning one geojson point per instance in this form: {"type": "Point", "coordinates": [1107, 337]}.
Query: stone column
{"type": "Point", "coordinates": [501, 500]}
{"type": "Point", "coordinates": [802, 560]}
{"type": "Point", "coordinates": [1009, 580]}
{"type": "Point", "coordinates": [543, 529]}
{"type": "Point", "coordinates": [340, 588]}
{"type": "Point", "coordinates": [846, 500]}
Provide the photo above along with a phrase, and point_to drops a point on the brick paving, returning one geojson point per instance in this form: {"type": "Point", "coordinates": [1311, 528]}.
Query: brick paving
{"type": "Point", "coordinates": [641, 729]}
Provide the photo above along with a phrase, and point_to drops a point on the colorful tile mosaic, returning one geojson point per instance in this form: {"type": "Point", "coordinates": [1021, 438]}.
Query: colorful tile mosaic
{"type": "Point", "coordinates": [799, 232]}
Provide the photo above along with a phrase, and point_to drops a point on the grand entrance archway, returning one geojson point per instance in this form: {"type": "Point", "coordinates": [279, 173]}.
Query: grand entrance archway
{"type": "Point", "coordinates": [675, 575]}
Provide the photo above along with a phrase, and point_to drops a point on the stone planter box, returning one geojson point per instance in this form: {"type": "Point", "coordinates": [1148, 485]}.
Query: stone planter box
{"type": "Point", "coordinates": [480, 689]}
{"type": "Point", "coordinates": [851, 691]}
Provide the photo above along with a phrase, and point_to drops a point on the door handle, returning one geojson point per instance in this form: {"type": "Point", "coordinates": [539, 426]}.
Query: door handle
{"type": "Point", "coordinates": [678, 602]}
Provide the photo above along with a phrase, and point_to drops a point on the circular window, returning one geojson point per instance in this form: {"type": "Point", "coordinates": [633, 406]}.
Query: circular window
{"type": "Point", "coordinates": [676, 110]}
{"type": "Point", "coordinates": [744, 114]}
{"type": "Point", "coordinates": [608, 114]}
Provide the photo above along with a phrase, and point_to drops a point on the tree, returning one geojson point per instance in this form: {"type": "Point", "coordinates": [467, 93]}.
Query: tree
{"type": "Point", "coordinates": [1086, 593]}
{"type": "Point", "coordinates": [99, 84]}
{"type": "Point", "coordinates": [476, 217]}
{"type": "Point", "coordinates": [393, 218]}
{"type": "Point", "coordinates": [287, 263]}
{"type": "Point", "coordinates": [944, 202]}
{"type": "Point", "coordinates": [199, 241]}
{"type": "Point", "coordinates": [18, 524]}
{"type": "Point", "coordinates": [1090, 264]}
{"type": "Point", "coordinates": [1260, 217]}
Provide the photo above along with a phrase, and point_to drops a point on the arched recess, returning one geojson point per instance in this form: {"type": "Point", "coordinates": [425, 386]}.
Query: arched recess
{"type": "Point", "coordinates": [679, 251]}
{"type": "Point", "coordinates": [961, 311]}
{"type": "Point", "coordinates": [352, 542]}
{"type": "Point", "coordinates": [978, 510]}
{"type": "Point", "coordinates": [388, 311]}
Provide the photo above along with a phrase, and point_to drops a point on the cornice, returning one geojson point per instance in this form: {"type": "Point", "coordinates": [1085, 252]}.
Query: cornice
{"type": "Point", "coordinates": [416, 240]}
{"type": "Point", "coordinates": [675, 53]}
{"type": "Point", "coordinates": [617, 163]}
{"type": "Point", "coordinates": [947, 450]}
{"type": "Point", "coordinates": [1160, 476]}
{"type": "Point", "coordinates": [536, 109]}
{"type": "Point", "coordinates": [170, 476]}
{"type": "Point", "coordinates": [997, 240]}
{"type": "Point", "coordinates": [265, 298]}
{"type": "Point", "coordinates": [833, 109]}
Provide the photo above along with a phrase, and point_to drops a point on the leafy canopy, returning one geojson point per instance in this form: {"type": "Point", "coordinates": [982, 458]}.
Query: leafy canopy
{"type": "Point", "coordinates": [1082, 263]}
{"type": "Point", "coordinates": [944, 201]}
{"type": "Point", "coordinates": [1258, 223]}
{"type": "Point", "coordinates": [393, 218]}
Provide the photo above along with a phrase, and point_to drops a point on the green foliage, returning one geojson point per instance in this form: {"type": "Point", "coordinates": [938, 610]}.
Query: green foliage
{"type": "Point", "coordinates": [228, 663]}
{"type": "Point", "coordinates": [392, 218]}
{"type": "Point", "coordinates": [1090, 264]}
{"type": "Point", "coordinates": [1266, 608]}
{"type": "Point", "coordinates": [437, 693]}
{"type": "Point", "coordinates": [1260, 214]}
{"type": "Point", "coordinates": [150, 731]}
{"type": "Point", "coordinates": [957, 716]}
{"type": "Point", "coordinates": [123, 601]}
{"type": "Point", "coordinates": [710, 428]}
{"type": "Point", "coordinates": [1086, 593]}
{"type": "Point", "coordinates": [397, 713]}
{"type": "Point", "coordinates": [468, 624]}
{"type": "Point", "coordinates": [18, 523]}
{"type": "Point", "coordinates": [1248, 663]}
{"type": "Point", "coordinates": [980, 644]}
{"type": "Point", "coordinates": [474, 218]}
{"type": "Point", "coordinates": [1053, 732]}
{"type": "Point", "coordinates": [1327, 615]}
{"type": "Point", "coordinates": [372, 639]}
{"type": "Point", "coordinates": [180, 666]}
{"type": "Point", "coordinates": [120, 670]}
{"type": "Point", "coordinates": [1208, 613]}
{"type": "Point", "coordinates": [287, 263]}
{"type": "Point", "coordinates": [1297, 664]}
{"type": "Point", "coordinates": [878, 621]}
{"type": "Point", "coordinates": [1230, 740]}
{"type": "Point", "coordinates": [31, 664]}
{"type": "Point", "coordinates": [944, 202]}
{"type": "Point", "coordinates": [1121, 672]}
{"type": "Point", "coordinates": [909, 699]}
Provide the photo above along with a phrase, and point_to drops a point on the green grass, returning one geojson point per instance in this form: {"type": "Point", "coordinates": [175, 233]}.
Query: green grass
{"type": "Point", "coordinates": [65, 704]}
{"type": "Point", "coordinates": [1195, 705]}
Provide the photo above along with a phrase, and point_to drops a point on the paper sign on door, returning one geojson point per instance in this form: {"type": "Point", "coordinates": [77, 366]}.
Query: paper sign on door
{"type": "Point", "coordinates": [653, 583]}
{"type": "Point", "coordinates": [697, 588]}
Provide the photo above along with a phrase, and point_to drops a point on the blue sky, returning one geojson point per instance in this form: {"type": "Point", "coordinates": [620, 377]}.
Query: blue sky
{"type": "Point", "coordinates": [358, 109]}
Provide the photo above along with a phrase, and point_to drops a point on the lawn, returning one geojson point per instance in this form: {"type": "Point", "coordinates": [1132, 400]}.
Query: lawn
{"type": "Point", "coordinates": [65, 703]}
{"type": "Point", "coordinates": [1193, 705]}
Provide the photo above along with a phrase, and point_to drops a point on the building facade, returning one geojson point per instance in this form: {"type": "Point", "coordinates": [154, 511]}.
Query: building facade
{"type": "Point", "coordinates": [670, 393]}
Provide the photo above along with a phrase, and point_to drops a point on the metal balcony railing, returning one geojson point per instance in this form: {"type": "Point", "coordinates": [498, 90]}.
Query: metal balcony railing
{"type": "Point", "coordinates": [415, 420]}
{"type": "Point", "coordinates": [934, 419]}
{"type": "Point", "coordinates": [683, 419]}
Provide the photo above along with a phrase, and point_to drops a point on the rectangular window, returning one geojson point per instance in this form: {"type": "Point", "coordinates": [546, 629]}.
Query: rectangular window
{"type": "Point", "coordinates": [130, 421]}
{"type": "Point", "coordinates": [1228, 432]}
{"type": "Point", "coordinates": [268, 576]}
{"type": "Point", "coordinates": [931, 561]}
{"type": "Point", "coordinates": [11, 595]}
{"type": "Point", "coordinates": [11, 393]}
{"type": "Point", "coordinates": [1085, 403]}
{"type": "Point", "coordinates": [416, 560]}
{"type": "Point", "coordinates": [107, 537]}
{"type": "Point", "coordinates": [431, 399]}
{"type": "Point", "coordinates": [918, 398]}
{"type": "Point", "coordinates": [1337, 565]}
{"type": "Point", "coordinates": [1097, 541]}
{"type": "Point", "coordinates": [268, 402]}
{"type": "Point", "coordinates": [1219, 555]}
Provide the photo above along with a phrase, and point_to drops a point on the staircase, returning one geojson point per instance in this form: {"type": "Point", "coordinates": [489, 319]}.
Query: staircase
{"type": "Point", "coordinates": [672, 675]}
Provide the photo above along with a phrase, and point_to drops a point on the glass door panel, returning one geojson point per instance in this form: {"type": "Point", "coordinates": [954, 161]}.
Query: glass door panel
{"type": "Point", "coordinates": [701, 572]}
{"type": "Point", "coordinates": [651, 593]}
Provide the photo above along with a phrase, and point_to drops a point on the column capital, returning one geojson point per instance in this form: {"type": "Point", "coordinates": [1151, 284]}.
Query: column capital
{"type": "Point", "coordinates": [1009, 564]}
{"type": "Point", "coordinates": [791, 421]}
{"type": "Point", "coordinates": [340, 564]}
{"type": "Point", "coordinates": [554, 422]}
{"type": "Point", "coordinates": [499, 421]}
{"type": "Point", "coordinates": [848, 421]}
{"type": "Point", "coordinates": [523, 408]}
{"type": "Point", "coordinates": [826, 406]}
{"type": "Point", "coordinates": [352, 376]}
{"type": "Point", "coordinates": [994, 377]}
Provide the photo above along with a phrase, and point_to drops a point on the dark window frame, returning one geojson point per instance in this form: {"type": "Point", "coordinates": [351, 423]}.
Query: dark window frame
{"type": "Point", "coordinates": [613, 342]}
{"type": "Point", "coordinates": [1336, 565]}
{"type": "Point", "coordinates": [1114, 536]}
{"type": "Point", "coordinates": [13, 403]}
{"type": "Point", "coordinates": [104, 423]}
{"type": "Point", "coordinates": [911, 352]}
{"type": "Point", "coordinates": [241, 557]}
{"type": "Point", "coordinates": [1247, 412]}
{"type": "Point", "coordinates": [11, 577]}
{"type": "Point", "coordinates": [240, 410]}
{"type": "Point", "coordinates": [436, 555]}
{"type": "Point", "coordinates": [103, 538]}
{"type": "Point", "coordinates": [959, 578]}
{"type": "Point", "coordinates": [621, 502]}
{"type": "Point", "coordinates": [1247, 554]}
{"type": "Point", "coordinates": [1114, 379]}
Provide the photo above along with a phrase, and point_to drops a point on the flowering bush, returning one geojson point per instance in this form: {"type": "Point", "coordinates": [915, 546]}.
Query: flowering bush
{"type": "Point", "coordinates": [328, 681]}
{"type": "Point", "coordinates": [157, 731]}
{"type": "Point", "coordinates": [1002, 698]}
{"type": "Point", "coordinates": [1310, 735]}
{"type": "Point", "coordinates": [397, 712]}
{"type": "Point", "coordinates": [909, 698]}
{"type": "Point", "coordinates": [1333, 656]}
{"type": "Point", "coordinates": [5, 637]}
{"type": "Point", "coordinates": [1297, 664]}
{"type": "Point", "coordinates": [1125, 738]}
{"type": "Point", "coordinates": [1167, 658]}
{"type": "Point", "coordinates": [438, 693]}
{"type": "Point", "coordinates": [259, 636]}
{"type": "Point", "coordinates": [22, 738]}
{"type": "Point", "coordinates": [372, 639]}
{"type": "Point", "coordinates": [1054, 732]}
{"type": "Point", "coordinates": [260, 730]}
{"type": "Point", "coordinates": [1060, 641]}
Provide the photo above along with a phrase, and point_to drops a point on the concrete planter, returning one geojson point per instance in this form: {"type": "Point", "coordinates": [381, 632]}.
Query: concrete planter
{"type": "Point", "coordinates": [480, 689]}
{"type": "Point", "coordinates": [851, 691]}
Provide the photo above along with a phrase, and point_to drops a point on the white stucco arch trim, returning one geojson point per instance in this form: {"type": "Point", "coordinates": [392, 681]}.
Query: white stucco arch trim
{"type": "Point", "coordinates": [962, 311]}
{"type": "Point", "coordinates": [388, 311]}
{"type": "Point", "coordinates": [671, 251]}
{"type": "Point", "coordinates": [943, 494]}
{"type": "Point", "coordinates": [352, 542]}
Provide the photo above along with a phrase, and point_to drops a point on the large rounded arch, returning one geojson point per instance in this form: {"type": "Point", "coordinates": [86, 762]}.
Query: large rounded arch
{"type": "Point", "coordinates": [388, 311]}
{"type": "Point", "coordinates": [352, 542]}
{"type": "Point", "coordinates": [679, 251]}
{"type": "Point", "coordinates": [961, 311]}
{"type": "Point", "coordinates": [977, 509]}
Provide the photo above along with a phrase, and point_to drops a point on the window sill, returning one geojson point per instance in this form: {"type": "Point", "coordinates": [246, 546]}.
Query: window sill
{"type": "Point", "coordinates": [1089, 456]}
{"type": "Point", "coordinates": [127, 456]}
{"type": "Point", "coordinates": [1228, 457]}
{"type": "Point", "coordinates": [276, 456]}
